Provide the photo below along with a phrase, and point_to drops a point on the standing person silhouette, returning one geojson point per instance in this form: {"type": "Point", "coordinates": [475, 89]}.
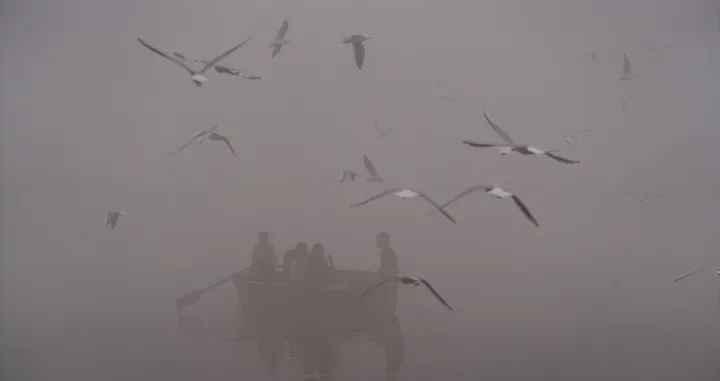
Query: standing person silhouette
{"type": "Point", "coordinates": [389, 267]}
{"type": "Point", "coordinates": [264, 258]}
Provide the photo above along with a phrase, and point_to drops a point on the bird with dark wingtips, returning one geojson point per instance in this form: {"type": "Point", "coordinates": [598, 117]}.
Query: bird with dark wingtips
{"type": "Point", "coordinates": [411, 280]}
{"type": "Point", "coordinates": [197, 76]}
{"type": "Point", "coordinates": [498, 193]}
{"type": "Point", "coordinates": [280, 39]}
{"type": "Point", "coordinates": [407, 194]}
{"type": "Point", "coordinates": [220, 68]}
{"type": "Point", "coordinates": [510, 146]}
{"type": "Point", "coordinates": [357, 43]}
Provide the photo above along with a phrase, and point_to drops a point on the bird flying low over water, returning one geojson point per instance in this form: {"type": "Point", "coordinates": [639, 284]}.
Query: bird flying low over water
{"type": "Point", "coordinates": [497, 192]}
{"type": "Point", "coordinates": [196, 75]}
{"type": "Point", "coordinates": [348, 174]}
{"type": "Point", "coordinates": [280, 39]}
{"type": "Point", "coordinates": [111, 218]}
{"type": "Point", "coordinates": [357, 43]}
{"type": "Point", "coordinates": [381, 132]}
{"type": "Point", "coordinates": [407, 194]}
{"type": "Point", "coordinates": [371, 170]}
{"type": "Point", "coordinates": [627, 69]}
{"type": "Point", "coordinates": [511, 146]}
{"type": "Point", "coordinates": [220, 68]}
{"type": "Point", "coordinates": [411, 280]}
{"type": "Point", "coordinates": [200, 137]}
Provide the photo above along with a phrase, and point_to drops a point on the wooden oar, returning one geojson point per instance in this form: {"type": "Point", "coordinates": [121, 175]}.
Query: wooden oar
{"type": "Point", "coordinates": [192, 297]}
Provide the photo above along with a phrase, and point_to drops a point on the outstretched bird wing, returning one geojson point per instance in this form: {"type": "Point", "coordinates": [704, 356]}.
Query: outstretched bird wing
{"type": "Point", "coordinates": [369, 166]}
{"type": "Point", "coordinates": [504, 135]}
{"type": "Point", "coordinates": [283, 30]}
{"type": "Point", "coordinates": [376, 286]}
{"type": "Point", "coordinates": [186, 145]}
{"type": "Point", "coordinates": [217, 59]}
{"type": "Point", "coordinates": [359, 49]}
{"type": "Point", "coordinates": [627, 69]}
{"type": "Point", "coordinates": [436, 294]}
{"type": "Point", "coordinates": [524, 209]}
{"type": "Point", "coordinates": [377, 196]}
{"type": "Point", "coordinates": [215, 136]}
{"type": "Point", "coordinates": [482, 145]}
{"type": "Point", "coordinates": [440, 209]}
{"type": "Point", "coordinates": [560, 158]}
{"type": "Point", "coordinates": [161, 53]}
{"type": "Point", "coordinates": [465, 193]}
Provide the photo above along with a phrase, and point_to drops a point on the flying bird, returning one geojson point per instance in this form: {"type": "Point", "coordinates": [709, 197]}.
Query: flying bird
{"type": "Point", "coordinates": [200, 137]}
{"type": "Point", "coordinates": [111, 218]}
{"type": "Point", "coordinates": [406, 194]}
{"type": "Point", "coordinates": [658, 51]}
{"type": "Point", "coordinates": [627, 69]}
{"type": "Point", "coordinates": [687, 274]}
{"type": "Point", "coordinates": [374, 178]}
{"type": "Point", "coordinates": [197, 76]}
{"type": "Point", "coordinates": [381, 132]}
{"type": "Point", "coordinates": [220, 68]}
{"type": "Point", "coordinates": [580, 135]}
{"type": "Point", "coordinates": [593, 56]}
{"type": "Point", "coordinates": [497, 192]}
{"type": "Point", "coordinates": [357, 43]}
{"type": "Point", "coordinates": [511, 146]}
{"type": "Point", "coordinates": [411, 280]}
{"type": "Point", "coordinates": [348, 174]}
{"type": "Point", "coordinates": [280, 39]}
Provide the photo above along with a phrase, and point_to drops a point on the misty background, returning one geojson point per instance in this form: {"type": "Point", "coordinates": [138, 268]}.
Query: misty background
{"type": "Point", "coordinates": [87, 117]}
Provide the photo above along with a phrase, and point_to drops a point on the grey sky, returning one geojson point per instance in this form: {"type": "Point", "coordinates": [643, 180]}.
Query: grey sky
{"type": "Point", "coordinates": [87, 117]}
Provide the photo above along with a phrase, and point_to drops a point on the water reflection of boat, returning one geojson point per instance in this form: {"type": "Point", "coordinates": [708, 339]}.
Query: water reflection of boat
{"type": "Point", "coordinates": [339, 296]}
{"type": "Point", "coordinates": [314, 338]}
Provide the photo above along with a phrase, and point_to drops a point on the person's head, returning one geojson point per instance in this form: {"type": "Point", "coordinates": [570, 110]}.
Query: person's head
{"type": "Point", "coordinates": [318, 251]}
{"type": "Point", "coordinates": [382, 240]}
{"type": "Point", "coordinates": [263, 238]}
{"type": "Point", "coordinates": [301, 246]}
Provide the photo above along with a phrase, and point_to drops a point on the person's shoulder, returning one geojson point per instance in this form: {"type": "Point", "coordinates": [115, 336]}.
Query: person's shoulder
{"type": "Point", "coordinates": [389, 251]}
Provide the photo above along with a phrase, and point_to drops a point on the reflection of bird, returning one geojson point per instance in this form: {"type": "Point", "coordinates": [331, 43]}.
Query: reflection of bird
{"type": "Point", "coordinates": [371, 170]}
{"type": "Point", "coordinates": [497, 192]}
{"type": "Point", "coordinates": [627, 69]}
{"type": "Point", "coordinates": [381, 132]}
{"type": "Point", "coordinates": [220, 68]}
{"type": "Point", "coordinates": [196, 75]}
{"type": "Point", "coordinates": [658, 51]}
{"type": "Point", "coordinates": [111, 218]}
{"type": "Point", "coordinates": [348, 173]}
{"type": "Point", "coordinates": [280, 39]}
{"type": "Point", "coordinates": [411, 280]}
{"type": "Point", "coordinates": [357, 43]}
{"type": "Point", "coordinates": [407, 194]}
{"type": "Point", "coordinates": [200, 136]}
{"type": "Point", "coordinates": [511, 146]}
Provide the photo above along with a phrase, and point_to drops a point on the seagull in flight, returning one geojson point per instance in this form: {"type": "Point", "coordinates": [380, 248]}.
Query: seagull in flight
{"type": "Point", "coordinates": [357, 43]}
{"type": "Point", "coordinates": [381, 132]}
{"type": "Point", "coordinates": [111, 218]}
{"type": "Point", "coordinates": [511, 146]}
{"type": "Point", "coordinates": [691, 272]}
{"type": "Point", "coordinates": [374, 178]}
{"type": "Point", "coordinates": [200, 137]}
{"type": "Point", "coordinates": [627, 69]}
{"type": "Point", "coordinates": [411, 280]}
{"type": "Point", "coordinates": [348, 174]}
{"type": "Point", "coordinates": [496, 191]}
{"type": "Point", "coordinates": [197, 76]}
{"type": "Point", "coordinates": [220, 68]}
{"type": "Point", "coordinates": [658, 51]}
{"type": "Point", "coordinates": [280, 39]}
{"type": "Point", "coordinates": [580, 135]}
{"type": "Point", "coordinates": [406, 194]}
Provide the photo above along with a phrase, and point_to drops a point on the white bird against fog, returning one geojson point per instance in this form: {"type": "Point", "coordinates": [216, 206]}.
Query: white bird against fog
{"type": "Point", "coordinates": [411, 280]}
{"type": "Point", "coordinates": [220, 68]}
{"type": "Point", "coordinates": [200, 137]}
{"type": "Point", "coordinates": [196, 75]}
{"type": "Point", "coordinates": [374, 177]}
{"type": "Point", "coordinates": [627, 69]}
{"type": "Point", "coordinates": [658, 51]}
{"type": "Point", "coordinates": [498, 193]}
{"type": "Point", "coordinates": [111, 218]}
{"type": "Point", "coordinates": [357, 43]}
{"type": "Point", "coordinates": [348, 174]}
{"type": "Point", "coordinates": [280, 39]}
{"type": "Point", "coordinates": [406, 194]}
{"type": "Point", "coordinates": [511, 146]}
{"type": "Point", "coordinates": [381, 132]}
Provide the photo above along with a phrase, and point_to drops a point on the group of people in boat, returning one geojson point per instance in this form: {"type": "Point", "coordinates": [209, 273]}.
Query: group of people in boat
{"type": "Point", "coordinates": [312, 267]}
